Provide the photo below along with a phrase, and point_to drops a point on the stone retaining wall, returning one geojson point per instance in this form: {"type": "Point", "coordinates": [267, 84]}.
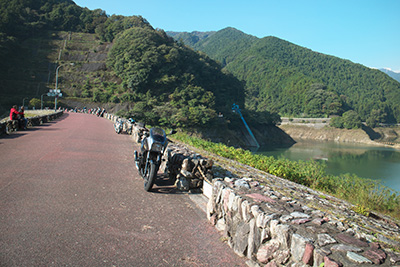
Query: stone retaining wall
{"type": "Point", "coordinates": [276, 222]}
{"type": "Point", "coordinates": [32, 121]}
{"type": "Point", "coordinates": [269, 228]}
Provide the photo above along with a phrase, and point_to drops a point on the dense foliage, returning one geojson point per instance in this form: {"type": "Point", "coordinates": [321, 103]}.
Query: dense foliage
{"type": "Point", "coordinates": [349, 120]}
{"type": "Point", "coordinates": [24, 18]}
{"type": "Point", "coordinates": [186, 88]}
{"type": "Point", "coordinates": [366, 193]}
{"type": "Point", "coordinates": [292, 80]}
{"type": "Point", "coordinates": [116, 24]}
{"type": "Point", "coordinates": [25, 27]}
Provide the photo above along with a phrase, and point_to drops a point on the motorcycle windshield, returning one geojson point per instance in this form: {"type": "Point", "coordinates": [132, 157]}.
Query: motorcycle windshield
{"type": "Point", "coordinates": [158, 135]}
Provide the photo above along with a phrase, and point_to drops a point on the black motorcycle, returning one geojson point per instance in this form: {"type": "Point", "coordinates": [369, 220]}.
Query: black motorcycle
{"type": "Point", "coordinates": [148, 161]}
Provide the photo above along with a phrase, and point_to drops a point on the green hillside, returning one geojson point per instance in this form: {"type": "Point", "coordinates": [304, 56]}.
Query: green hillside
{"type": "Point", "coordinates": [108, 61]}
{"type": "Point", "coordinates": [294, 81]}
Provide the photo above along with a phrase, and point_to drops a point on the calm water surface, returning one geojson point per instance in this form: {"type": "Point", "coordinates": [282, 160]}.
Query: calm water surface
{"type": "Point", "coordinates": [380, 163]}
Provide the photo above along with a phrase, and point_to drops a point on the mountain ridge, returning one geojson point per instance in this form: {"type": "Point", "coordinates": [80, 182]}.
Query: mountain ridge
{"type": "Point", "coordinates": [394, 74]}
{"type": "Point", "coordinates": [292, 80]}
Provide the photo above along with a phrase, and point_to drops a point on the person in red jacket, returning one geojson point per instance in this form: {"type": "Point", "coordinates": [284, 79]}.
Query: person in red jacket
{"type": "Point", "coordinates": [14, 113]}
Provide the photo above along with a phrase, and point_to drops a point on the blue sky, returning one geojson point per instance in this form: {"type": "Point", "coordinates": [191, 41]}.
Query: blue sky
{"type": "Point", "coordinates": [362, 31]}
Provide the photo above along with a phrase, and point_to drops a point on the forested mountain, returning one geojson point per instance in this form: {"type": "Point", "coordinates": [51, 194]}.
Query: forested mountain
{"type": "Point", "coordinates": [116, 59]}
{"type": "Point", "coordinates": [294, 81]}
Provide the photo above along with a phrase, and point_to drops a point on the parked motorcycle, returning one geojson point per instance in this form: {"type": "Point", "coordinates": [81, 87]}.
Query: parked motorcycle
{"type": "Point", "coordinates": [148, 161]}
{"type": "Point", "coordinates": [129, 126]}
{"type": "Point", "coordinates": [118, 126]}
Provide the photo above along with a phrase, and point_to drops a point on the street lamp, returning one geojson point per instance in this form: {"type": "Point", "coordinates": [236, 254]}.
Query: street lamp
{"type": "Point", "coordinates": [57, 93]}
{"type": "Point", "coordinates": [41, 101]}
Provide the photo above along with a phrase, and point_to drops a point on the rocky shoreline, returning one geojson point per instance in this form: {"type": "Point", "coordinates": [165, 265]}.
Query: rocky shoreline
{"type": "Point", "coordinates": [378, 137]}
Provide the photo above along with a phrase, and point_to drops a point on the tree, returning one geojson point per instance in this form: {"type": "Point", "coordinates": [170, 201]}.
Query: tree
{"type": "Point", "coordinates": [34, 102]}
{"type": "Point", "coordinates": [377, 116]}
{"type": "Point", "coordinates": [320, 102]}
{"type": "Point", "coordinates": [336, 122]}
{"type": "Point", "coordinates": [351, 120]}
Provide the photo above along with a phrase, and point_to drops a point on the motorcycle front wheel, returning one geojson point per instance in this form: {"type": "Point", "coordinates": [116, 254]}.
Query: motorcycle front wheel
{"type": "Point", "coordinates": [150, 177]}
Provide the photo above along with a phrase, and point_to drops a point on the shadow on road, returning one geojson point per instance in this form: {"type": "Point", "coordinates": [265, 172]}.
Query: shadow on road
{"type": "Point", "coordinates": [164, 185]}
{"type": "Point", "coordinates": [14, 135]}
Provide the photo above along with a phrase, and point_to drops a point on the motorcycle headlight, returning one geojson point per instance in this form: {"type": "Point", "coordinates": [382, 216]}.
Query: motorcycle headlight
{"type": "Point", "coordinates": [157, 147]}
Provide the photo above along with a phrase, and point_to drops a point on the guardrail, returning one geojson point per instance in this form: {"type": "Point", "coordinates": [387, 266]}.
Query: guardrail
{"type": "Point", "coordinates": [10, 126]}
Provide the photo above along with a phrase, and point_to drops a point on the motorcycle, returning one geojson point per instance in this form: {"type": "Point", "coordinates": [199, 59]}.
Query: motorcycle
{"type": "Point", "coordinates": [129, 126]}
{"type": "Point", "coordinates": [148, 161]}
{"type": "Point", "coordinates": [118, 126]}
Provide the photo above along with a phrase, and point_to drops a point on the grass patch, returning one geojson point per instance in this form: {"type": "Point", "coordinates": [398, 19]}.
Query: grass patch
{"type": "Point", "coordinates": [366, 193]}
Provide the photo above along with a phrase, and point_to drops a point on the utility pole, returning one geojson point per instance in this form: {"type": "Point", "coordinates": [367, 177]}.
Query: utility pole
{"type": "Point", "coordinates": [57, 93]}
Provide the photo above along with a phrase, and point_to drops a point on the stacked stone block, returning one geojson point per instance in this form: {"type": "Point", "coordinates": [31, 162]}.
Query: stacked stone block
{"type": "Point", "coordinates": [189, 170]}
{"type": "Point", "coordinates": [272, 230]}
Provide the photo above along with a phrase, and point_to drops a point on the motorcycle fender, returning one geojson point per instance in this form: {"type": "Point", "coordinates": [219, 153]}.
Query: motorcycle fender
{"type": "Point", "coordinates": [155, 162]}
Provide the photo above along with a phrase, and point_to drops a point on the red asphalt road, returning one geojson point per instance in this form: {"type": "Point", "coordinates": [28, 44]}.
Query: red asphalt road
{"type": "Point", "coordinates": [71, 196]}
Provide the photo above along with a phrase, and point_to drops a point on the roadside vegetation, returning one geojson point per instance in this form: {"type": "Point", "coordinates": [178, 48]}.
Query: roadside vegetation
{"type": "Point", "coordinates": [366, 194]}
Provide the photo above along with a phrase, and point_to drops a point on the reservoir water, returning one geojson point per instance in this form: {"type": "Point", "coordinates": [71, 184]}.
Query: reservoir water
{"type": "Point", "coordinates": [379, 163]}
